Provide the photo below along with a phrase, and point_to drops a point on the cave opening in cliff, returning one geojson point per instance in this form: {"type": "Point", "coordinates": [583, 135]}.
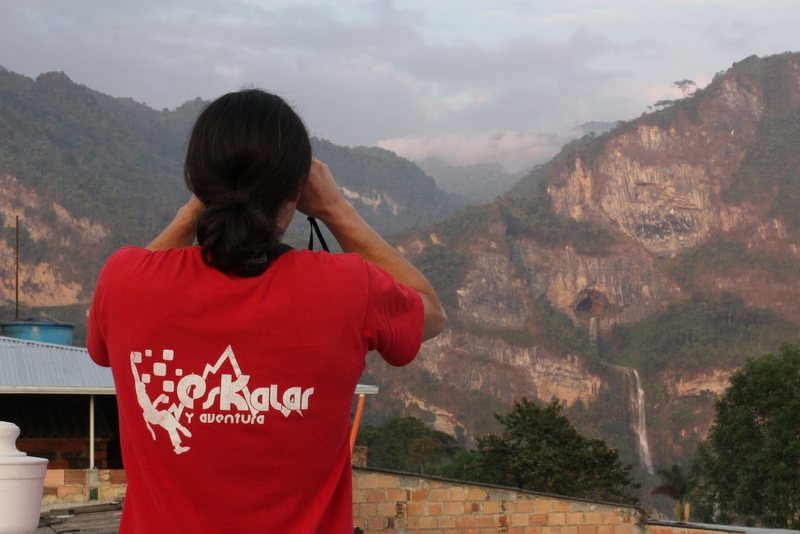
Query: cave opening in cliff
{"type": "Point", "coordinates": [584, 306]}
{"type": "Point", "coordinates": [590, 303]}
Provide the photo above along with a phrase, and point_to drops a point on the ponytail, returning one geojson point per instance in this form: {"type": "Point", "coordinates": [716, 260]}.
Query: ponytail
{"type": "Point", "coordinates": [248, 154]}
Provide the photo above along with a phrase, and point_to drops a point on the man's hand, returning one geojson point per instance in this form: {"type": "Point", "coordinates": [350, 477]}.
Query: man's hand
{"type": "Point", "coordinates": [180, 232]}
{"type": "Point", "coordinates": [321, 197]}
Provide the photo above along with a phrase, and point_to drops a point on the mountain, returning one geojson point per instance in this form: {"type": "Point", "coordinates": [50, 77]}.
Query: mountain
{"type": "Point", "coordinates": [88, 173]}
{"type": "Point", "coordinates": [483, 182]}
{"type": "Point", "coordinates": [656, 256]}
{"type": "Point", "coordinates": [390, 192]}
{"type": "Point", "coordinates": [669, 246]}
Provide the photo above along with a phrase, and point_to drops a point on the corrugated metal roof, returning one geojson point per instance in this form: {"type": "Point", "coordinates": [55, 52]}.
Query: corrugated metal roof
{"type": "Point", "coordinates": [35, 367]}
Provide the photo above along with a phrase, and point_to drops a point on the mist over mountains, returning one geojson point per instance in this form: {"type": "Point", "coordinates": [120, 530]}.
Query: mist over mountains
{"type": "Point", "coordinates": [484, 166]}
{"type": "Point", "coordinates": [668, 245]}
{"type": "Point", "coordinates": [88, 173]}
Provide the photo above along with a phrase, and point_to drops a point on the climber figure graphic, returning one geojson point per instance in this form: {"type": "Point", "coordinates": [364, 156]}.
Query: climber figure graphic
{"type": "Point", "coordinates": [153, 416]}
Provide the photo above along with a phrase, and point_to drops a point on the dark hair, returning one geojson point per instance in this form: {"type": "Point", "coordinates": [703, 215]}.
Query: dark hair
{"type": "Point", "coordinates": [248, 153]}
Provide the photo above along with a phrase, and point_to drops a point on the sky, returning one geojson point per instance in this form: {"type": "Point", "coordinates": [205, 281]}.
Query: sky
{"type": "Point", "coordinates": [466, 81]}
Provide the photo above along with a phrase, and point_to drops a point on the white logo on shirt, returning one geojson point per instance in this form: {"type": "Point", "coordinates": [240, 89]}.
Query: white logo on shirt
{"type": "Point", "coordinates": [215, 397]}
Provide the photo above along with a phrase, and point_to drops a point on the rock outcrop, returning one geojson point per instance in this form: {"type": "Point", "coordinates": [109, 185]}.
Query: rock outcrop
{"type": "Point", "coordinates": [663, 191]}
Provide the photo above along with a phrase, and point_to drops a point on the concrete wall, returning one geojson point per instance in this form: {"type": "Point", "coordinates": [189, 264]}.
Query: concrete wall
{"type": "Point", "coordinates": [392, 502]}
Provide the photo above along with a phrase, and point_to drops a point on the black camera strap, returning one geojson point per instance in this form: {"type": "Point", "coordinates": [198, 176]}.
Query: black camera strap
{"type": "Point", "coordinates": [315, 230]}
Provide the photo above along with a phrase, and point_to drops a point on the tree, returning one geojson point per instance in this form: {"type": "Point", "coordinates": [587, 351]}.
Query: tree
{"type": "Point", "coordinates": [540, 450]}
{"type": "Point", "coordinates": [675, 485]}
{"type": "Point", "coordinates": [685, 86]}
{"type": "Point", "coordinates": [425, 453]}
{"type": "Point", "coordinates": [663, 103]}
{"type": "Point", "coordinates": [748, 469]}
{"type": "Point", "coordinates": [406, 444]}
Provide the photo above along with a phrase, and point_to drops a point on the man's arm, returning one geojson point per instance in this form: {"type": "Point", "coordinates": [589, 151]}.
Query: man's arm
{"type": "Point", "coordinates": [322, 199]}
{"type": "Point", "coordinates": [180, 232]}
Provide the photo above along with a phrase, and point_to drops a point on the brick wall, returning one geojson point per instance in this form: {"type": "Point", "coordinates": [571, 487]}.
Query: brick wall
{"type": "Point", "coordinates": [392, 502]}
{"type": "Point", "coordinates": [384, 501]}
{"type": "Point", "coordinates": [65, 453]}
{"type": "Point", "coordinates": [75, 485]}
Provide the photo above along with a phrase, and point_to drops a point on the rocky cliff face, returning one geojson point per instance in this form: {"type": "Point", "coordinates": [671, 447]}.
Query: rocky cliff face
{"type": "Point", "coordinates": [44, 280]}
{"type": "Point", "coordinates": [620, 287]}
{"type": "Point", "coordinates": [661, 184]}
{"type": "Point", "coordinates": [681, 204]}
{"type": "Point", "coordinates": [558, 288]}
{"type": "Point", "coordinates": [88, 173]}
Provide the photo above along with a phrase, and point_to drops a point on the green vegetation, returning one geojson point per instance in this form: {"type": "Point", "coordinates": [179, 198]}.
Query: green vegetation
{"type": "Point", "coordinates": [667, 113]}
{"type": "Point", "coordinates": [101, 158]}
{"type": "Point", "coordinates": [528, 209]}
{"type": "Point", "coordinates": [462, 228]}
{"type": "Point", "coordinates": [593, 418]}
{"type": "Point", "coordinates": [119, 163]}
{"type": "Point", "coordinates": [445, 269]}
{"type": "Point", "coordinates": [446, 265]}
{"type": "Point", "coordinates": [748, 470]}
{"type": "Point", "coordinates": [586, 149]}
{"type": "Point", "coordinates": [535, 218]}
{"type": "Point", "coordinates": [724, 256]}
{"type": "Point", "coordinates": [675, 485]}
{"type": "Point", "coordinates": [558, 332]}
{"type": "Point", "coordinates": [521, 337]}
{"type": "Point", "coordinates": [406, 444]}
{"type": "Point", "coordinates": [687, 87]}
{"type": "Point", "coordinates": [771, 166]}
{"type": "Point", "coordinates": [474, 408]}
{"type": "Point", "coordinates": [691, 334]}
{"type": "Point", "coordinates": [540, 450]}
{"type": "Point", "coordinates": [386, 177]}
{"type": "Point", "coordinates": [680, 418]}
{"type": "Point", "coordinates": [98, 156]}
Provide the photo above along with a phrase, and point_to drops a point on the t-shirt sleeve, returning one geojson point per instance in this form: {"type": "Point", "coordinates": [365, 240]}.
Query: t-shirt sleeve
{"type": "Point", "coordinates": [97, 322]}
{"type": "Point", "coordinates": [394, 318]}
{"type": "Point", "coordinates": [95, 335]}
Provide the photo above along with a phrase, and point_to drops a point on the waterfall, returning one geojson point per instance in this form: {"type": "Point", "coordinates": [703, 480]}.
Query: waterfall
{"type": "Point", "coordinates": [638, 420]}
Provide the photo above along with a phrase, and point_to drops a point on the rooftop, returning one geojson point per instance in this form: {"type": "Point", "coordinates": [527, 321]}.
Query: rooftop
{"type": "Point", "coordinates": [36, 367]}
{"type": "Point", "coordinates": [47, 368]}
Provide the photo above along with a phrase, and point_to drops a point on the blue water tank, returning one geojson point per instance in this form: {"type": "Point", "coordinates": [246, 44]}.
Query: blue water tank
{"type": "Point", "coordinates": [39, 328]}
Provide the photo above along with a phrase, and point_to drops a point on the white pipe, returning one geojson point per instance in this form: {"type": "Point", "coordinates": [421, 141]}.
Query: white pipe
{"type": "Point", "coordinates": [91, 432]}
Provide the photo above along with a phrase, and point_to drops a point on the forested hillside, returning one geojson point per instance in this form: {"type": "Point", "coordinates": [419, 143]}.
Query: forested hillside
{"type": "Point", "coordinates": [652, 259]}
{"type": "Point", "coordinates": [644, 263]}
{"type": "Point", "coordinates": [88, 173]}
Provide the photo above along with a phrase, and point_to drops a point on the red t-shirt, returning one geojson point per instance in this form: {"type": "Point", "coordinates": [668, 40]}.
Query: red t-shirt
{"type": "Point", "coordinates": [234, 393]}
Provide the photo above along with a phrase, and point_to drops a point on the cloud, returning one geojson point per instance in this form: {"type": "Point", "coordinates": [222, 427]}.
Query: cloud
{"type": "Point", "coordinates": [371, 61]}
{"type": "Point", "coordinates": [513, 150]}
{"type": "Point", "coordinates": [408, 73]}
